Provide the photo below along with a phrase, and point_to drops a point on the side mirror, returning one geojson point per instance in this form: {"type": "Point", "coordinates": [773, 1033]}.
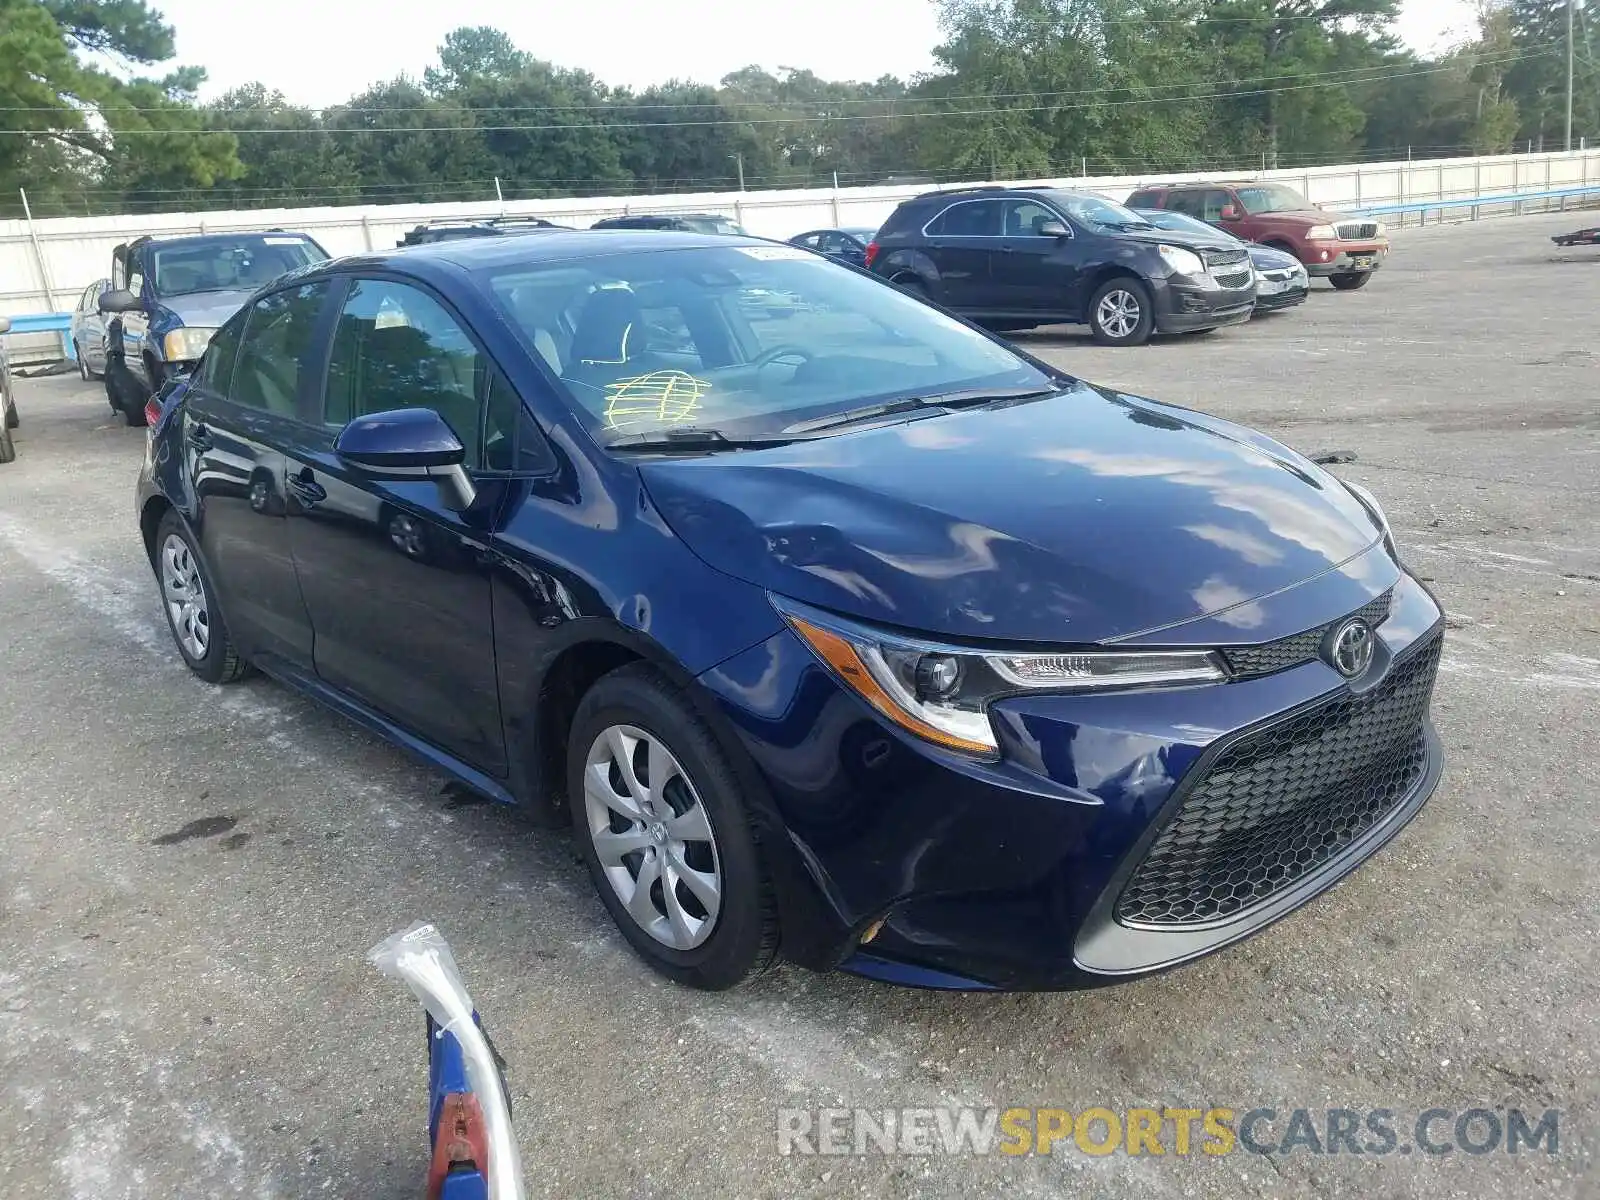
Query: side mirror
{"type": "Point", "coordinates": [118, 300]}
{"type": "Point", "coordinates": [409, 443]}
{"type": "Point", "coordinates": [1230, 212]}
{"type": "Point", "coordinates": [1054, 229]}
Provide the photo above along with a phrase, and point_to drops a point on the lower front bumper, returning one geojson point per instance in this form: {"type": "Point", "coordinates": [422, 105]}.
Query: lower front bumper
{"type": "Point", "coordinates": [1355, 260]}
{"type": "Point", "coordinates": [1274, 301]}
{"type": "Point", "coordinates": [1189, 319]}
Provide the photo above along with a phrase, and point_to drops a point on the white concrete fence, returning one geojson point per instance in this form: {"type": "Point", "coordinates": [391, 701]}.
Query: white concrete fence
{"type": "Point", "coordinates": [46, 265]}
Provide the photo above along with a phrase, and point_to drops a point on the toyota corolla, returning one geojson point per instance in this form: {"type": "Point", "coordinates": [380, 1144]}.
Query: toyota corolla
{"type": "Point", "coordinates": [835, 628]}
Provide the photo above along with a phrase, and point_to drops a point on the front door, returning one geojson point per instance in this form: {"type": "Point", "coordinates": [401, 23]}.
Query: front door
{"type": "Point", "coordinates": [1034, 273]}
{"type": "Point", "coordinates": [396, 583]}
{"type": "Point", "coordinates": [960, 242]}
{"type": "Point", "coordinates": [243, 406]}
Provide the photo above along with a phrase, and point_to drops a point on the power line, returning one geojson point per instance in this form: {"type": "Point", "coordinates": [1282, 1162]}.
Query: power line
{"type": "Point", "coordinates": [1355, 74]}
{"type": "Point", "coordinates": [826, 119]}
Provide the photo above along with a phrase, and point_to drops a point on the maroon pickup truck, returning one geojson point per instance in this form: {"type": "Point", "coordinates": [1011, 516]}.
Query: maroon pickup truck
{"type": "Point", "coordinates": [1342, 249]}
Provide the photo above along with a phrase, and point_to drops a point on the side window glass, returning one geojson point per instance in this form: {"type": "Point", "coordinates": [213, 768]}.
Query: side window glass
{"type": "Point", "coordinates": [86, 302]}
{"type": "Point", "coordinates": [1215, 202]}
{"type": "Point", "coordinates": [397, 347]}
{"type": "Point", "coordinates": [215, 372]}
{"type": "Point", "coordinates": [974, 218]}
{"type": "Point", "coordinates": [276, 348]}
{"type": "Point", "coordinates": [118, 270]}
{"type": "Point", "coordinates": [136, 279]}
{"type": "Point", "coordinates": [1024, 218]}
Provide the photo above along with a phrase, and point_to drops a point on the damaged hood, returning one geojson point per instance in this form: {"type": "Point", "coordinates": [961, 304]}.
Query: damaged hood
{"type": "Point", "coordinates": [1079, 518]}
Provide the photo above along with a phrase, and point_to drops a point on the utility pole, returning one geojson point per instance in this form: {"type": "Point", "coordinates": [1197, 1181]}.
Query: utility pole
{"type": "Point", "coordinates": [1569, 74]}
{"type": "Point", "coordinates": [739, 158]}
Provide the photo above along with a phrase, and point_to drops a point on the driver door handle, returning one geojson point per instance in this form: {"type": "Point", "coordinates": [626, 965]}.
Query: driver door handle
{"type": "Point", "coordinates": [200, 437]}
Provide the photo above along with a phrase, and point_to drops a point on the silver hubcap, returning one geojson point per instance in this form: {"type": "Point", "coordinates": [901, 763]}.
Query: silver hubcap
{"type": "Point", "coordinates": [185, 595]}
{"type": "Point", "coordinates": [1118, 313]}
{"type": "Point", "coordinates": [652, 836]}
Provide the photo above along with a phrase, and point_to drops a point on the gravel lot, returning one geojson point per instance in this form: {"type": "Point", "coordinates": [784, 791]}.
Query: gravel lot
{"type": "Point", "coordinates": [185, 1010]}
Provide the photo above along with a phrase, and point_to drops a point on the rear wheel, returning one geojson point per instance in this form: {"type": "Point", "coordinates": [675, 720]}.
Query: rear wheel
{"type": "Point", "coordinates": [8, 448]}
{"type": "Point", "coordinates": [1121, 313]}
{"type": "Point", "coordinates": [188, 599]}
{"type": "Point", "coordinates": [1349, 283]}
{"type": "Point", "coordinates": [83, 364]}
{"type": "Point", "coordinates": [657, 813]}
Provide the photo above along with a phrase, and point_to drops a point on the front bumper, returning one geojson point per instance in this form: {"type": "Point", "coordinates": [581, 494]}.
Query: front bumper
{"type": "Point", "coordinates": [1183, 306]}
{"type": "Point", "coordinates": [1323, 259]}
{"type": "Point", "coordinates": [1008, 875]}
{"type": "Point", "coordinates": [1288, 298]}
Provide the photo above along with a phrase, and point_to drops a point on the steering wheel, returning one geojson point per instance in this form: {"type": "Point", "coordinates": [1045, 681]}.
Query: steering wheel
{"type": "Point", "coordinates": [767, 357]}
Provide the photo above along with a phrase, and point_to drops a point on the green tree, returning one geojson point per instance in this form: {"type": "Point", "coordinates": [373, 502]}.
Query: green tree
{"type": "Point", "coordinates": [307, 166]}
{"type": "Point", "coordinates": [76, 133]}
{"type": "Point", "coordinates": [404, 145]}
{"type": "Point", "coordinates": [1537, 80]}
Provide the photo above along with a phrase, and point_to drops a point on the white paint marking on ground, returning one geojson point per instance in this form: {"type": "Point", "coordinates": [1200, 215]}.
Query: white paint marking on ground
{"type": "Point", "coordinates": [125, 608]}
{"type": "Point", "coordinates": [94, 1165]}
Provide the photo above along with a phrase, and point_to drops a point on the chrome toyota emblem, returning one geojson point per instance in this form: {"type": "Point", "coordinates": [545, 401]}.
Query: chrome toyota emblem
{"type": "Point", "coordinates": [1349, 648]}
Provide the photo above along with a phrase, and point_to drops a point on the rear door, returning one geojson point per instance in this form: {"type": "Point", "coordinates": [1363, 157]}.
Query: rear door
{"type": "Point", "coordinates": [961, 240]}
{"type": "Point", "coordinates": [245, 405]}
{"type": "Point", "coordinates": [396, 584]}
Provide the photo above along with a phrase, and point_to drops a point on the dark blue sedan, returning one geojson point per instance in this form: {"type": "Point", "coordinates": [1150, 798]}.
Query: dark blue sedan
{"type": "Point", "coordinates": [846, 245]}
{"type": "Point", "coordinates": [834, 627]}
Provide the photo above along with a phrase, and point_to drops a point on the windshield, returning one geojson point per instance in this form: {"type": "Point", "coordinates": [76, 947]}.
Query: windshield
{"type": "Point", "coordinates": [864, 236]}
{"type": "Point", "coordinates": [712, 225]}
{"type": "Point", "coordinates": [1179, 222]}
{"type": "Point", "coordinates": [1096, 210]}
{"type": "Point", "coordinates": [239, 265]}
{"type": "Point", "coordinates": [1271, 198]}
{"type": "Point", "coordinates": [744, 340]}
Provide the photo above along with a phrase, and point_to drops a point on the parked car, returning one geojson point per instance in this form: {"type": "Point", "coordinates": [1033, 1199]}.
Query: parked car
{"type": "Point", "coordinates": [169, 295]}
{"type": "Point", "coordinates": [1015, 258]}
{"type": "Point", "coordinates": [8, 404]}
{"type": "Point", "coordinates": [1341, 249]}
{"type": "Point", "coordinates": [88, 332]}
{"type": "Point", "coordinates": [1281, 279]}
{"type": "Point", "coordinates": [439, 231]}
{"type": "Point", "coordinates": [847, 245]}
{"type": "Point", "coordinates": [855, 634]}
{"type": "Point", "coordinates": [683, 222]}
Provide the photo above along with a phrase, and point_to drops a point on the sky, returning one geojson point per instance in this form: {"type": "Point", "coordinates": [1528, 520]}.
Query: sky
{"type": "Point", "coordinates": [321, 52]}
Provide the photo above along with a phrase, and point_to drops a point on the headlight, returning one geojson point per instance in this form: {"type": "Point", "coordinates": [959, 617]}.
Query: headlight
{"type": "Point", "coordinates": [186, 345]}
{"type": "Point", "coordinates": [942, 693]}
{"type": "Point", "coordinates": [1322, 233]}
{"type": "Point", "coordinates": [1184, 262]}
{"type": "Point", "coordinates": [1375, 511]}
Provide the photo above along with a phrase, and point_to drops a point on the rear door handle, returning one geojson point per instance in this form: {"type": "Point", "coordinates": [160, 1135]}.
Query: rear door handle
{"type": "Point", "coordinates": [306, 489]}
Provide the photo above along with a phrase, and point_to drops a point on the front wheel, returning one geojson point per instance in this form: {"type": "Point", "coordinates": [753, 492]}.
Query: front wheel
{"type": "Point", "coordinates": [657, 813]}
{"type": "Point", "coordinates": [1349, 283]}
{"type": "Point", "coordinates": [189, 601]}
{"type": "Point", "coordinates": [8, 448]}
{"type": "Point", "coordinates": [1121, 313]}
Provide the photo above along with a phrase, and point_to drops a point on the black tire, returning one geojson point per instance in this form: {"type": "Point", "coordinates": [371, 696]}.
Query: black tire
{"type": "Point", "coordinates": [743, 940]}
{"type": "Point", "coordinates": [83, 364]}
{"type": "Point", "coordinates": [108, 378]}
{"type": "Point", "coordinates": [1138, 305]}
{"type": "Point", "coordinates": [8, 448]}
{"type": "Point", "coordinates": [220, 661]}
{"type": "Point", "coordinates": [1350, 283]}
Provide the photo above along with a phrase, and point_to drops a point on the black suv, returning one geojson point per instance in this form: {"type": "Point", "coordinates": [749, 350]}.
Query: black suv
{"type": "Point", "coordinates": [446, 230]}
{"type": "Point", "coordinates": [1013, 258]}
{"type": "Point", "coordinates": [683, 222]}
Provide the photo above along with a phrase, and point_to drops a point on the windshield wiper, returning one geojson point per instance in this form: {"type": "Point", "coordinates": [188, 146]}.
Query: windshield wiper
{"type": "Point", "coordinates": [690, 438]}
{"type": "Point", "coordinates": [947, 400]}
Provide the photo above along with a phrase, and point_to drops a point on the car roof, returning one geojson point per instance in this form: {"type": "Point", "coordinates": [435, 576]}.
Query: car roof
{"type": "Point", "coordinates": [198, 239]}
{"type": "Point", "coordinates": [552, 245]}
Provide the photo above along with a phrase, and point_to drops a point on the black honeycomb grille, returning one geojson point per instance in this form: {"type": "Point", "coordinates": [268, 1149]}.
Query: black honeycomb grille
{"type": "Point", "coordinates": [1297, 648]}
{"type": "Point", "coordinates": [1277, 805]}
